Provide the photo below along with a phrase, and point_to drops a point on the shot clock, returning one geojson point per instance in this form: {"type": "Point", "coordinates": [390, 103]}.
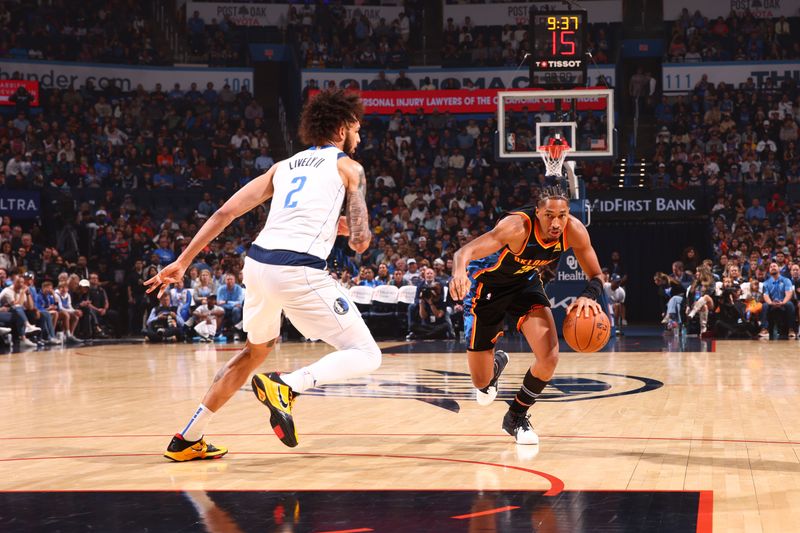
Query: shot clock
{"type": "Point", "coordinates": [558, 58]}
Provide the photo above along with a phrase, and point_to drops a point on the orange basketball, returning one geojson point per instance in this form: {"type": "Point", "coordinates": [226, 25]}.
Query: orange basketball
{"type": "Point", "coordinates": [586, 334]}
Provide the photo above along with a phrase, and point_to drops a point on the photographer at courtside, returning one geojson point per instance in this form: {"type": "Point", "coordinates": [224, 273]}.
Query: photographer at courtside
{"type": "Point", "coordinates": [434, 320]}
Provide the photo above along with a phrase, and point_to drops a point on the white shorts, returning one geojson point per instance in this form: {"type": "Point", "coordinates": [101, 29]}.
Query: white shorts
{"type": "Point", "coordinates": [315, 303]}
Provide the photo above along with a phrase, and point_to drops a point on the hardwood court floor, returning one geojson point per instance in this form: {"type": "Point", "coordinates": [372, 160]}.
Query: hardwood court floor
{"type": "Point", "coordinates": [639, 423]}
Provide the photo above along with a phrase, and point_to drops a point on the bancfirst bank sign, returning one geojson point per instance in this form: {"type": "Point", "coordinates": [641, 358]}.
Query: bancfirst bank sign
{"type": "Point", "coordinates": [445, 78]}
{"type": "Point", "coordinates": [648, 205]}
{"type": "Point", "coordinates": [63, 75]}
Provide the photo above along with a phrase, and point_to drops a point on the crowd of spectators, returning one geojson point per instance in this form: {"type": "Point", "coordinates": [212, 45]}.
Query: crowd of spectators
{"type": "Point", "coordinates": [325, 35]}
{"type": "Point", "coordinates": [96, 153]}
{"type": "Point", "coordinates": [329, 37]}
{"type": "Point", "coordinates": [92, 31]}
{"type": "Point", "coordinates": [737, 145]}
{"type": "Point", "coordinates": [434, 185]}
{"type": "Point", "coordinates": [738, 37]}
{"type": "Point", "coordinates": [721, 138]}
{"type": "Point", "coordinates": [178, 138]}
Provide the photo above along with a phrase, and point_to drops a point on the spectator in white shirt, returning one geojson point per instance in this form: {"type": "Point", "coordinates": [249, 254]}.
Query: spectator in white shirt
{"type": "Point", "coordinates": [238, 138]}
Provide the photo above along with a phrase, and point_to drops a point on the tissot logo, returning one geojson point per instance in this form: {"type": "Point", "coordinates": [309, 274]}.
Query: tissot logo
{"type": "Point", "coordinates": [446, 389]}
{"type": "Point", "coordinates": [575, 63]}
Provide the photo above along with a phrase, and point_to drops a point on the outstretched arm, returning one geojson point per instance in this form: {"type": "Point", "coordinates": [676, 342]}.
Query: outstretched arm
{"type": "Point", "coordinates": [509, 231]}
{"type": "Point", "coordinates": [581, 244]}
{"type": "Point", "coordinates": [254, 193]}
{"type": "Point", "coordinates": [355, 181]}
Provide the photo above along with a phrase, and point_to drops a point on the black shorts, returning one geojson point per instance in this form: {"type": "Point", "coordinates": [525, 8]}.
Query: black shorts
{"type": "Point", "coordinates": [486, 306]}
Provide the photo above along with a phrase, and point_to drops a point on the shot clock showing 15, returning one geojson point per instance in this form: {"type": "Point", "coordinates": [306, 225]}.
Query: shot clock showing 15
{"type": "Point", "coordinates": [558, 39]}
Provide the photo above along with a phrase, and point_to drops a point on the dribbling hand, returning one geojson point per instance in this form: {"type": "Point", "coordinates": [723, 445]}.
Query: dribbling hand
{"type": "Point", "coordinates": [459, 286]}
{"type": "Point", "coordinates": [585, 305]}
{"type": "Point", "coordinates": [172, 273]}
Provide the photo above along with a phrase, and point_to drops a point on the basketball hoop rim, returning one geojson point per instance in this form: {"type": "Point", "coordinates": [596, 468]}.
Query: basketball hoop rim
{"type": "Point", "coordinates": [560, 150]}
{"type": "Point", "coordinates": [553, 157]}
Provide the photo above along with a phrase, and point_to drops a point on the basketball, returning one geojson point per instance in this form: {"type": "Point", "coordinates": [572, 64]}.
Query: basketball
{"type": "Point", "coordinates": [586, 334]}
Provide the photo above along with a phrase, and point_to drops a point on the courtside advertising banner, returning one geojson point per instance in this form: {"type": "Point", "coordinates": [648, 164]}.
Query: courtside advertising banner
{"type": "Point", "coordinates": [63, 75]}
{"type": "Point", "coordinates": [446, 78]}
{"type": "Point", "coordinates": [518, 12]}
{"type": "Point", "coordinates": [680, 78]}
{"type": "Point", "coordinates": [457, 101]}
{"type": "Point", "coordinates": [9, 87]}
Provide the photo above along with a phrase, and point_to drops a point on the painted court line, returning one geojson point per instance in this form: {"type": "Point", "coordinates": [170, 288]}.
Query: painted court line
{"type": "Point", "coordinates": [705, 512]}
{"type": "Point", "coordinates": [556, 485]}
{"type": "Point", "coordinates": [359, 530]}
{"type": "Point", "coordinates": [484, 435]}
{"type": "Point", "coordinates": [487, 512]}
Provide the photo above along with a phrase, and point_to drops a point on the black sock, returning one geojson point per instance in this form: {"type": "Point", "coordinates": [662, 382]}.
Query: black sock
{"type": "Point", "coordinates": [527, 394]}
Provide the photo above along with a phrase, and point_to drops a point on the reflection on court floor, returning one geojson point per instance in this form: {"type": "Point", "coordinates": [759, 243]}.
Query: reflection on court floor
{"type": "Point", "coordinates": [354, 511]}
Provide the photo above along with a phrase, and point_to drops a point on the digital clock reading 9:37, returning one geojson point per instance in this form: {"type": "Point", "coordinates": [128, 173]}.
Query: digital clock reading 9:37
{"type": "Point", "coordinates": [558, 46]}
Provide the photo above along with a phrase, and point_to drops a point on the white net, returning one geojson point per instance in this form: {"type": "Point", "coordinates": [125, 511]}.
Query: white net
{"type": "Point", "coordinates": [553, 156]}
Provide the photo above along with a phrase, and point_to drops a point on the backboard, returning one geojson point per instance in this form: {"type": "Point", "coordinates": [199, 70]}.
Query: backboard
{"type": "Point", "coordinates": [526, 119]}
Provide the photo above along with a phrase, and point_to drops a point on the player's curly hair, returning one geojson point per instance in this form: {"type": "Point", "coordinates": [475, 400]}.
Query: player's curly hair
{"type": "Point", "coordinates": [326, 112]}
{"type": "Point", "coordinates": [552, 192]}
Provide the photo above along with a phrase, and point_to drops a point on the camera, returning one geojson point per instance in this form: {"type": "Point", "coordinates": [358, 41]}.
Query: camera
{"type": "Point", "coordinates": [425, 293]}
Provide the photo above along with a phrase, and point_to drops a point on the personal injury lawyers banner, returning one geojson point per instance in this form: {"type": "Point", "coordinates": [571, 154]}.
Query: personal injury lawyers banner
{"type": "Point", "coordinates": [457, 101]}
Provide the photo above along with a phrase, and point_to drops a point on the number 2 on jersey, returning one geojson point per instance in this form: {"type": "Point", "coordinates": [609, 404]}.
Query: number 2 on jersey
{"type": "Point", "coordinates": [301, 181]}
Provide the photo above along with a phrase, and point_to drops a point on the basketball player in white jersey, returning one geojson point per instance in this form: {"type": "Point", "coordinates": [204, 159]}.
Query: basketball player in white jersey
{"type": "Point", "coordinates": [285, 271]}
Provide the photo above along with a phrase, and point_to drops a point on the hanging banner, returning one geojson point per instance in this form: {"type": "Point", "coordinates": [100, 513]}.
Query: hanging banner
{"type": "Point", "coordinates": [9, 87]}
{"type": "Point", "coordinates": [680, 78]}
{"type": "Point", "coordinates": [517, 12]}
{"type": "Point", "coordinates": [63, 75]}
{"type": "Point", "coordinates": [439, 78]}
{"type": "Point", "coordinates": [253, 14]}
{"type": "Point", "coordinates": [646, 205]}
{"type": "Point", "coordinates": [722, 8]}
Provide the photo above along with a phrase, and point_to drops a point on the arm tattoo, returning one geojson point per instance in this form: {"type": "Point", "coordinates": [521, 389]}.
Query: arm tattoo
{"type": "Point", "coordinates": [357, 217]}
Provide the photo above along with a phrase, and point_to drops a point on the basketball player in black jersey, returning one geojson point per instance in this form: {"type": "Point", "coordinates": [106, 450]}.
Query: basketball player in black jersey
{"type": "Point", "coordinates": [499, 273]}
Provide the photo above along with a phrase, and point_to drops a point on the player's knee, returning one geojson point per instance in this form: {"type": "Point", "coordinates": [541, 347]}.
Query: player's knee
{"type": "Point", "coordinates": [550, 358]}
{"type": "Point", "coordinates": [373, 356]}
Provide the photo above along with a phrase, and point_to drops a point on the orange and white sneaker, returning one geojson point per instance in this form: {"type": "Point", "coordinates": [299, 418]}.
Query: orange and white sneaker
{"type": "Point", "coordinates": [180, 450]}
{"type": "Point", "coordinates": [279, 398]}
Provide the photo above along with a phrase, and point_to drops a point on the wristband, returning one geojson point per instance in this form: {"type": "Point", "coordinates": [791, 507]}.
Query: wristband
{"type": "Point", "coordinates": [593, 290]}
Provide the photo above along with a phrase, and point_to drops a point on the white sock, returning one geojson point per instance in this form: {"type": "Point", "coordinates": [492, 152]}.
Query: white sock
{"type": "Point", "coordinates": [334, 367]}
{"type": "Point", "coordinates": [196, 427]}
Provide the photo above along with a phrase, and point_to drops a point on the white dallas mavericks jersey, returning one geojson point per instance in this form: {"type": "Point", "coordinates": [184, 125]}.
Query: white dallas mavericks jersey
{"type": "Point", "coordinates": [308, 198]}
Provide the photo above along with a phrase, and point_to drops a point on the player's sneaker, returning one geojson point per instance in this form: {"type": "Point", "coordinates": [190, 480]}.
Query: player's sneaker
{"type": "Point", "coordinates": [518, 425]}
{"type": "Point", "coordinates": [279, 398]}
{"type": "Point", "coordinates": [486, 395]}
{"type": "Point", "coordinates": [180, 449]}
